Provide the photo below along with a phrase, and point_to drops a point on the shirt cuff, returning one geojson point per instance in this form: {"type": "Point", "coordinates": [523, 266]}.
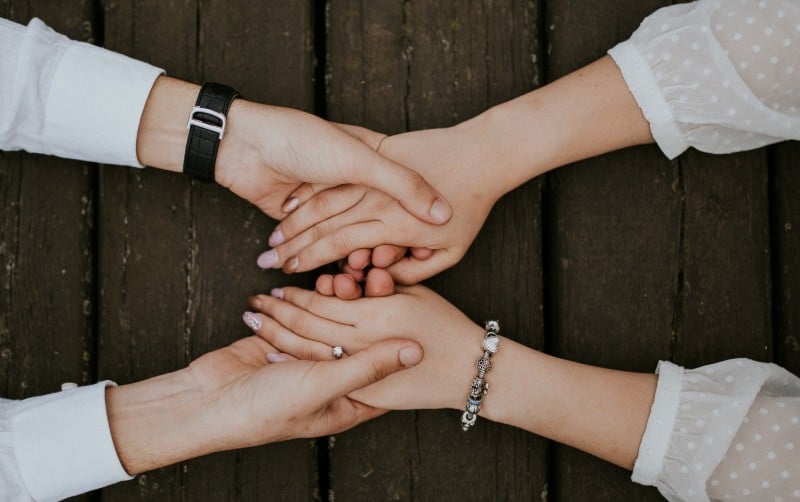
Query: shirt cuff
{"type": "Point", "coordinates": [645, 90]}
{"type": "Point", "coordinates": [95, 104]}
{"type": "Point", "coordinates": [63, 443]}
{"type": "Point", "coordinates": [656, 436]}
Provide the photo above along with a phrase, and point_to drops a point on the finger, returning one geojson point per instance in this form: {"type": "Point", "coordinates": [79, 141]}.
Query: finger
{"type": "Point", "coordinates": [302, 194]}
{"type": "Point", "coordinates": [359, 259]}
{"type": "Point", "coordinates": [304, 323]}
{"type": "Point", "coordinates": [326, 307]}
{"type": "Point", "coordinates": [324, 285]}
{"type": "Point", "coordinates": [421, 253]}
{"type": "Point", "coordinates": [408, 187]}
{"type": "Point", "coordinates": [375, 363]}
{"type": "Point", "coordinates": [334, 246]}
{"type": "Point", "coordinates": [379, 283]}
{"type": "Point", "coordinates": [280, 357]}
{"type": "Point", "coordinates": [369, 137]}
{"type": "Point", "coordinates": [284, 340]}
{"type": "Point", "coordinates": [345, 287]}
{"type": "Point", "coordinates": [318, 208]}
{"type": "Point", "coordinates": [385, 255]}
{"type": "Point", "coordinates": [356, 274]}
{"type": "Point", "coordinates": [410, 270]}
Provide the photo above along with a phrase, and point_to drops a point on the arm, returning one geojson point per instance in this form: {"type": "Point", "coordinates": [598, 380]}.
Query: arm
{"type": "Point", "coordinates": [474, 163]}
{"type": "Point", "coordinates": [717, 76]}
{"type": "Point", "coordinates": [597, 410]}
{"type": "Point", "coordinates": [727, 428]}
{"type": "Point", "coordinates": [79, 101]}
{"type": "Point", "coordinates": [77, 440]}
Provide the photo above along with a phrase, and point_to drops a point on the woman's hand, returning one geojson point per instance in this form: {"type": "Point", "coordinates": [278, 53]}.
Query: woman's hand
{"type": "Point", "coordinates": [335, 222]}
{"type": "Point", "coordinates": [306, 325]}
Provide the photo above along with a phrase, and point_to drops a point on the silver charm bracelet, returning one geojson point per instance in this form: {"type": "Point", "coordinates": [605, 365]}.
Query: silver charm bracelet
{"type": "Point", "coordinates": [480, 387]}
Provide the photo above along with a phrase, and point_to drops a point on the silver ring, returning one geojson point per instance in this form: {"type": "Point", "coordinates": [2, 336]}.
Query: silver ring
{"type": "Point", "coordinates": [338, 352]}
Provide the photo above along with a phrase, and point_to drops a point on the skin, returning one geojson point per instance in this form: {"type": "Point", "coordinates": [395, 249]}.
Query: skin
{"type": "Point", "coordinates": [221, 401]}
{"type": "Point", "coordinates": [584, 114]}
{"type": "Point", "coordinates": [225, 400]}
{"type": "Point", "coordinates": [268, 151]}
{"type": "Point", "coordinates": [603, 412]}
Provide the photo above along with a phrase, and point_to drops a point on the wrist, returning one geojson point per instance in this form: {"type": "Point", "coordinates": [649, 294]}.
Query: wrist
{"type": "Point", "coordinates": [161, 141]}
{"type": "Point", "coordinates": [160, 421]}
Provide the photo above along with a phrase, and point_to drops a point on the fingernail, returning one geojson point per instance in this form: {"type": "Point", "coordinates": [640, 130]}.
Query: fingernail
{"type": "Point", "coordinates": [290, 205]}
{"type": "Point", "coordinates": [293, 265]}
{"type": "Point", "coordinates": [268, 259]}
{"type": "Point", "coordinates": [252, 321]}
{"type": "Point", "coordinates": [277, 293]}
{"type": "Point", "coordinates": [410, 356]}
{"type": "Point", "coordinates": [276, 358]}
{"type": "Point", "coordinates": [441, 211]}
{"type": "Point", "coordinates": [276, 239]}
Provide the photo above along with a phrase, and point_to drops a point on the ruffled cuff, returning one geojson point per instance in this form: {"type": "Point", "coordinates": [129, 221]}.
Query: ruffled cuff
{"type": "Point", "coordinates": [63, 443]}
{"type": "Point", "coordinates": [646, 92]}
{"type": "Point", "coordinates": [655, 441]}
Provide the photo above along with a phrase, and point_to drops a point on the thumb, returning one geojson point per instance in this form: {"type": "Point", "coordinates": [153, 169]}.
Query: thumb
{"type": "Point", "coordinates": [411, 270]}
{"type": "Point", "coordinates": [408, 187]}
{"type": "Point", "coordinates": [368, 366]}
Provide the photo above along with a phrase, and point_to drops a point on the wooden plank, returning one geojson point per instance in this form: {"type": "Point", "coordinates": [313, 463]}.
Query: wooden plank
{"type": "Point", "coordinates": [785, 232]}
{"type": "Point", "coordinates": [430, 64]}
{"type": "Point", "coordinates": [612, 245]}
{"type": "Point", "coordinates": [725, 309]}
{"type": "Point", "coordinates": [178, 258]}
{"type": "Point", "coordinates": [47, 249]}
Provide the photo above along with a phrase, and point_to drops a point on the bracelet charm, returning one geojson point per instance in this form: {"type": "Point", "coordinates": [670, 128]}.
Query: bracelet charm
{"type": "Point", "coordinates": [480, 387]}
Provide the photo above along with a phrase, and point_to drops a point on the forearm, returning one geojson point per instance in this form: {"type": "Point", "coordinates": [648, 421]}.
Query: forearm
{"type": "Point", "coordinates": [160, 421]}
{"type": "Point", "coordinates": [586, 113]}
{"type": "Point", "coordinates": [600, 411]}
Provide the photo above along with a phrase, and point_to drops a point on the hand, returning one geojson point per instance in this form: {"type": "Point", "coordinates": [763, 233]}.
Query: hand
{"type": "Point", "coordinates": [306, 324]}
{"type": "Point", "coordinates": [234, 398]}
{"type": "Point", "coordinates": [335, 222]}
{"type": "Point", "coordinates": [268, 151]}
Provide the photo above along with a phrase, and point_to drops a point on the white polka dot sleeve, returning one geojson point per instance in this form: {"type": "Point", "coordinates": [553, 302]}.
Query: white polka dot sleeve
{"type": "Point", "coordinates": [727, 431]}
{"type": "Point", "coordinates": [719, 75]}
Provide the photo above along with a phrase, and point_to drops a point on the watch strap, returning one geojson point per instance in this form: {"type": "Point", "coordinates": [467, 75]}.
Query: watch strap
{"type": "Point", "coordinates": [207, 124]}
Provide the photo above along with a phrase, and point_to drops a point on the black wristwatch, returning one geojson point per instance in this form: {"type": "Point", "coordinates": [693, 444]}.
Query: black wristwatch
{"type": "Point", "coordinates": [206, 128]}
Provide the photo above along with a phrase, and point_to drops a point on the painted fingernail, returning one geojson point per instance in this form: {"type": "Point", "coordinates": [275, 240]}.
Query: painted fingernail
{"type": "Point", "coordinates": [276, 239]}
{"type": "Point", "coordinates": [277, 293]}
{"type": "Point", "coordinates": [410, 356]}
{"type": "Point", "coordinates": [290, 205]}
{"type": "Point", "coordinates": [441, 211]}
{"type": "Point", "coordinates": [252, 321]}
{"type": "Point", "coordinates": [276, 358]}
{"type": "Point", "coordinates": [293, 265]}
{"type": "Point", "coordinates": [268, 259]}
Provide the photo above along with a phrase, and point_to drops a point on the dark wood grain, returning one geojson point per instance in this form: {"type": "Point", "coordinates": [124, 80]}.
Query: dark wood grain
{"type": "Point", "coordinates": [785, 215]}
{"type": "Point", "coordinates": [178, 258]}
{"type": "Point", "coordinates": [612, 245]}
{"type": "Point", "coordinates": [47, 230]}
{"type": "Point", "coordinates": [427, 64]}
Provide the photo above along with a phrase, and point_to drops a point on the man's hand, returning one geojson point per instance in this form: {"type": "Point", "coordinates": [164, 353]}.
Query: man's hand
{"type": "Point", "coordinates": [234, 398]}
{"type": "Point", "coordinates": [268, 151]}
{"type": "Point", "coordinates": [331, 224]}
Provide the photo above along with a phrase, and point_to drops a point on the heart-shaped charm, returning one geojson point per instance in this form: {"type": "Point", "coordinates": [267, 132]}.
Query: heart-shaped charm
{"type": "Point", "coordinates": [490, 343]}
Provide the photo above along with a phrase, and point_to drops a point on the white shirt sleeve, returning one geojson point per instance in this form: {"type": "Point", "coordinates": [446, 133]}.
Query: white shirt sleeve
{"type": "Point", "coordinates": [727, 431]}
{"type": "Point", "coordinates": [56, 446]}
{"type": "Point", "coordinates": [67, 98]}
{"type": "Point", "coordinates": [718, 75]}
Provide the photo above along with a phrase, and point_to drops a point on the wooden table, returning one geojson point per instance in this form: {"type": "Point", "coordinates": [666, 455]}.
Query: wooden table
{"type": "Point", "coordinates": [618, 261]}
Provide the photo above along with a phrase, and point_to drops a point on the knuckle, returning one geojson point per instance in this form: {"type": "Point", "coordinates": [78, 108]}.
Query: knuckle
{"type": "Point", "coordinates": [321, 204]}
{"type": "Point", "coordinates": [342, 243]}
{"type": "Point", "coordinates": [297, 322]}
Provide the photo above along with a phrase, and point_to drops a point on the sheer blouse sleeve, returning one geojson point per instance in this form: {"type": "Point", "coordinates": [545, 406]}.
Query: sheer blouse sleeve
{"type": "Point", "coordinates": [718, 75]}
{"type": "Point", "coordinates": [727, 431]}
